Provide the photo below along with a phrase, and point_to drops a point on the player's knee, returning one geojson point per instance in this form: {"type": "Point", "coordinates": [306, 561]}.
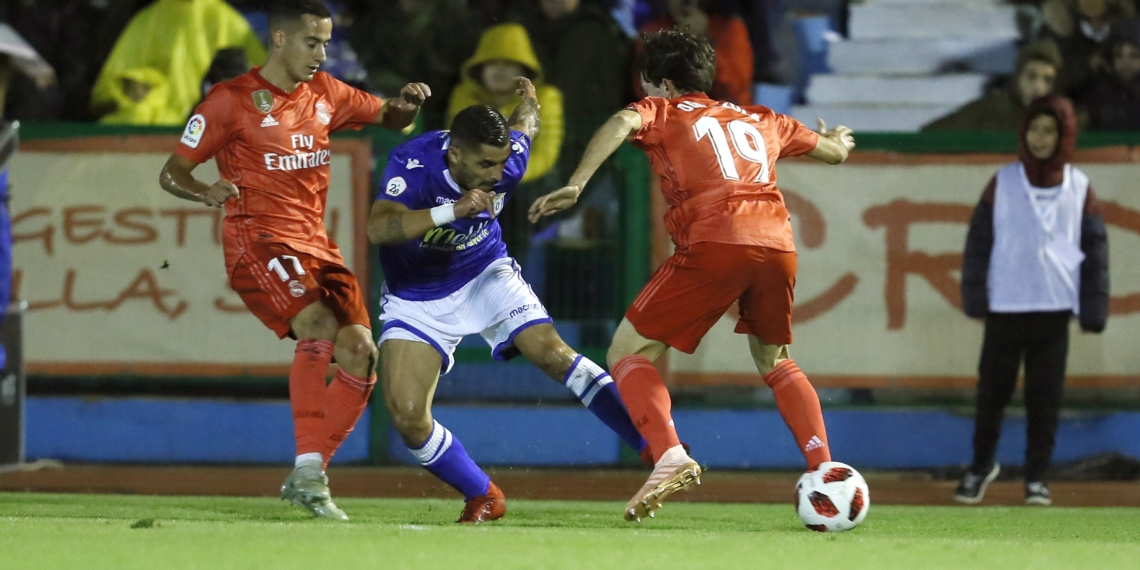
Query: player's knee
{"type": "Point", "coordinates": [614, 354]}
{"type": "Point", "coordinates": [357, 351]}
{"type": "Point", "coordinates": [316, 321]}
{"type": "Point", "coordinates": [411, 420]}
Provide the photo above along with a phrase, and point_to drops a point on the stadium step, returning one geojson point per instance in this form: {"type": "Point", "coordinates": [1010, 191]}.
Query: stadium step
{"type": "Point", "coordinates": [903, 56]}
{"type": "Point", "coordinates": [881, 20]}
{"type": "Point", "coordinates": [836, 89]}
{"type": "Point", "coordinates": [896, 118]}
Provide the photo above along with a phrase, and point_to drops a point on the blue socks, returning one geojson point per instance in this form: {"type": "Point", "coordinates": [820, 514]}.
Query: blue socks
{"type": "Point", "coordinates": [444, 457]}
{"type": "Point", "coordinates": [597, 391]}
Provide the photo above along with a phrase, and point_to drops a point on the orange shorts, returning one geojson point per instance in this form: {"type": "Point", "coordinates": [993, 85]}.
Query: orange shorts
{"type": "Point", "coordinates": [275, 282]}
{"type": "Point", "coordinates": [694, 288]}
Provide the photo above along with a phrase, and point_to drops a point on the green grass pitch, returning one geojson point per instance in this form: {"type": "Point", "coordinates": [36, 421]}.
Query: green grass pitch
{"type": "Point", "coordinates": [95, 531]}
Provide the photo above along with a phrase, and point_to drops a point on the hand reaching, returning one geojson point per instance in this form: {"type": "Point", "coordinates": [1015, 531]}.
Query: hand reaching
{"type": "Point", "coordinates": [554, 202]}
{"type": "Point", "coordinates": [524, 88]}
{"type": "Point", "coordinates": [840, 134]}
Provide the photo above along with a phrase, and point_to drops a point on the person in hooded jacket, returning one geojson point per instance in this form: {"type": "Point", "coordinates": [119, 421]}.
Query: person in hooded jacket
{"type": "Point", "coordinates": [488, 78]}
{"type": "Point", "coordinates": [1036, 255]}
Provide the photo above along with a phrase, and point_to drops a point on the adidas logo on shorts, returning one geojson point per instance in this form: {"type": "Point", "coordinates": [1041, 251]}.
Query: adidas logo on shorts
{"type": "Point", "coordinates": [269, 121]}
{"type": "Point", "coordinates": [813, 443]}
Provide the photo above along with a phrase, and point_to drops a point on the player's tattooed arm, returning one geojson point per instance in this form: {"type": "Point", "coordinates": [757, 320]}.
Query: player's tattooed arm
{"type": "Point", "coordinates": [391, 222]}
{"type": "Point", "coordinates": [177, 178]}
{"type": "Point", "coordinates": [619, 128]}
{"type": "Point", "coordinates": [526, 118]}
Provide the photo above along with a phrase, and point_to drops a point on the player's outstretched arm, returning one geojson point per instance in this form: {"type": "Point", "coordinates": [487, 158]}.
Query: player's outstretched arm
{"type": "Point", "coordinates": [618, 129]}
{"type": "Point", "coordinates": [392, 222]}
{"type": "Point", "coordinates": [526, 118]}
{"type": "Point", "coordinates": [835, 145]}
{"type": "Point", "coordinates": [399, 112]}
{"type": "Point", "coordinates": [177, 178]}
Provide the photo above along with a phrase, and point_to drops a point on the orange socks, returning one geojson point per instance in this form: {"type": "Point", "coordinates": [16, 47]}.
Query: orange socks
{"type": "Point", "coordinates": [799, 406]}
{"type": "Point", "coordinates": [345, 400]}
{"type": "Point", "coordinates": [307, 392]}
{"type": "Point", "coordinates": [647, 399]}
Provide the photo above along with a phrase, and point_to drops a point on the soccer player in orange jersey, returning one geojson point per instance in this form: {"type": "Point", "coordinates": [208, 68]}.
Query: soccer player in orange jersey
{"type": "Point", "coordinates": [733, 237]}
{"type": "Point", "coordinates": [269, 132]}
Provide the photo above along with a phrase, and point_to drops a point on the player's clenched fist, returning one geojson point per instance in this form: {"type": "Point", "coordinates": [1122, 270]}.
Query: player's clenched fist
{"type": "Point", "coordinates": [475, 202]}
{"type": "Point", "coordinates": [221, 191]}
{"type": "Point", "coordinates": [412, 96]}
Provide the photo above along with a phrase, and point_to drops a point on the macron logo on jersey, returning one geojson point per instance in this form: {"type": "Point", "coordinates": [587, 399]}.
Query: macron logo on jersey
{"type": "Point", "coordinates": [195, 128]}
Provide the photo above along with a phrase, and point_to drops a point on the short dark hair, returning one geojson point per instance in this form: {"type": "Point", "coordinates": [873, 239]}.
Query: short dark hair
{"type": "Point", "coordinates": [480, 124]}
{"type": "Point", "coordinates": [285, 12]}
{"type": "Point", "coordinates": [686, 60]}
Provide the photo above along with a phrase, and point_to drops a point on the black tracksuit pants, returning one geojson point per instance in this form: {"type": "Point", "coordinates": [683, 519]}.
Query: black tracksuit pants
{"type": "Point", "coordinates": [1042, 340]}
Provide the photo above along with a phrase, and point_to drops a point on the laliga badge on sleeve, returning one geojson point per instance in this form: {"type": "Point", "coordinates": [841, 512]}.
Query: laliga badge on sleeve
{"type": "Point", "coordinates": [194, 129]}
{"type": "Point", "coordinates": [396, 186]}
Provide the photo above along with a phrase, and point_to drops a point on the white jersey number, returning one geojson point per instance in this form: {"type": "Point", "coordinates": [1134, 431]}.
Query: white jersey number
{"type": "Point", "coordinates": [747, 141]}
{"type": "Point", "coordinates": [278, 267]}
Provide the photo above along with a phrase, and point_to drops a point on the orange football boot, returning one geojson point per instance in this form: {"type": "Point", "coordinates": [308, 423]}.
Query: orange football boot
{"type": "Point", "coordinates": [488, 507]}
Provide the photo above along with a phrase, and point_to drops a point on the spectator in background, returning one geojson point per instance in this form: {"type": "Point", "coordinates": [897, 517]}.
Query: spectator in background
{"type": "Point", "coordinates": [68, 34]}
{"type": "Point", "coordinates": [1035, 76]}
{"type": "Point", "coordinates": [1081, 29]}
{"type": "Point", "coordinates": [229, 63]}
{"type": "Point", "coordinates": [587, 57]}
{"type": "Point", "coordinates": [416, 41]}
{"type": "Point", "coordinates": [342, 62]}
{"type": "Point", "coordinates": [505, 52]}
{"type": "Point", "coordinates": [178, 39]}
{"type": "Point", "coordinates": [729, 36]}
{"type": "Point", "coordinates": [1113, 102]}
{"type": "Point", "coordinates": [1036, 255]}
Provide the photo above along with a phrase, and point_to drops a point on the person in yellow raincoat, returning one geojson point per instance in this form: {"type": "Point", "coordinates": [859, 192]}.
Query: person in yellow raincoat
{"type": "Point", "coordinates": [178, 40]}
{"type": "Point", "coordinates": [505, 52]}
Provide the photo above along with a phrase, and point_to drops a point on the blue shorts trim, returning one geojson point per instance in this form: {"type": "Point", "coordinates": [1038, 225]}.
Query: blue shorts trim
{"type": "Point", "coordinates": [506, 349]}
{"type": "Point", "coordinates": [395, 323]}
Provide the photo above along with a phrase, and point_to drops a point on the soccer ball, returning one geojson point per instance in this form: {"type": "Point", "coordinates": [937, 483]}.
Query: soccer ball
{"type": "Point", "coordinates": [832, 498]}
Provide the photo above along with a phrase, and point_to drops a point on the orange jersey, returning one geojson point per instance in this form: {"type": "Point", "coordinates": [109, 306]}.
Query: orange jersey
{"type": "Point", "coordinates": [717, 163]}
{"type": "Point", "coordinates": [274, 146]}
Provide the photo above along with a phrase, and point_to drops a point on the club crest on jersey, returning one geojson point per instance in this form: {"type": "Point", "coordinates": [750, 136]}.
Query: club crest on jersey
{"type": "Point", "coordinates": [263, 100]}
{"type": "Point", "coordinates": [194, 129]}
{"type": "Point", "coordinates": [323, 114]}
{"type": "Point", "coordinates": [500, 199]}
{"type": "Point", "coordinates": [296, 288]}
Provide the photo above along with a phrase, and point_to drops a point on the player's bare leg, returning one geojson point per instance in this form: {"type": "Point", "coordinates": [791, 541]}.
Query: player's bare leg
{"type": "Point", "coordinates": [795, 398]}
{"type": "Point", "coordinates": [542, 345]}
{"type": "Point", "coordinates": [631, 359]}
{"type": "Point", "coordinates": [409, 375]}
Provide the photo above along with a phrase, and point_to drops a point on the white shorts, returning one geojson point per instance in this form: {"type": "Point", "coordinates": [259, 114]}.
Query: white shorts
{"type": "Point", "coordinates": [498, 304]}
